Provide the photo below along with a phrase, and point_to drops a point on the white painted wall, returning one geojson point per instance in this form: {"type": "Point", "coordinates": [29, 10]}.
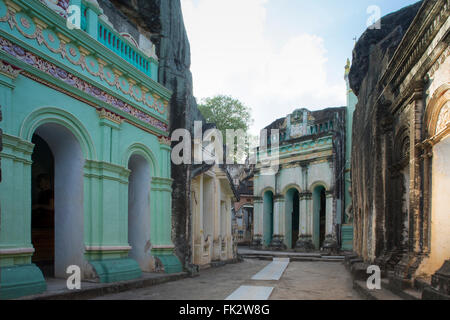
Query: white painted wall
{"type": "Point", "coordinates": [139, 212]}
{"type": "Point", "coordinates": [440, 208]}
{"type": "Point", "coordinates": [69, 208]}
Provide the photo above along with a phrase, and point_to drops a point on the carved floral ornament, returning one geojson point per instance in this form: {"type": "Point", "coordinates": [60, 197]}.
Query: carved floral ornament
{"type": "Point", "coordinates": [33, 28]}
{"type": "Point", "coordinates": [165, 141]}
{"type": "Point", "coordinates": [437, 115]}
{"type": "Point", "coordinates": [444, 118]}
{"type": "Point", "coordinates": [105, 114]}
{"type": "Point", "coordinates": [72, 80]}
{"type": "Point", "coordinates": [9, 70]}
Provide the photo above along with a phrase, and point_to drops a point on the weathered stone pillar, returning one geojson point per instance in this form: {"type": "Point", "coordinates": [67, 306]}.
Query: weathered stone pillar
{"type": "Point", "coordinates": [330, 232]}
{"type": "Point", "coordinates": [405, 269]}
{"type": "Point", "coordinates": [197, 228]}
{"type": "Point", "coordinates": [217, 242]}
{"type": "Point", "coordinates": [258, 215]}
{"type": "Point", "coordinates": [279, 224]}
{"type": "Point", "coordinates": [304, 242]}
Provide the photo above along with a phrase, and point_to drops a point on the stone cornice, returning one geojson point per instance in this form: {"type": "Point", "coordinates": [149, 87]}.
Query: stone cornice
{"type": "Point", "coordinates": [431, 16]}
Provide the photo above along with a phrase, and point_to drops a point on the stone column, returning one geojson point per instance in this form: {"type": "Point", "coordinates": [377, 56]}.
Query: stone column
{"type": "Point", "coordinates": [330, 232]}
{"type": "Point", "coordinates": [217, 241]}
{"type": "Point", "coordinates": [279, 227]}
{"type": "Point", "coordinates": [197, 211]}
{"type": "Point", "coordinates": [258, 215]}
{"type": "Point", "coordinates": [304, 242]}
{"type": "Point", "coordinates": [405, 269]}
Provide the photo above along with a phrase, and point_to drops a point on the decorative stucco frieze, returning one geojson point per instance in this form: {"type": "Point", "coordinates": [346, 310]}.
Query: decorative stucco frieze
{"type": "Point", "coordinates": [9, 70]}
{"type": "Point", "coordinates": [78, 56]}
{"type": "Point", "coordinates": [165, 141]}
{"type": "Point", "coordinates": [75, 82]}
{"type": "Point", "coordinates": [105, 114]}
{"type": "Point", "coordinates": [443, 119]}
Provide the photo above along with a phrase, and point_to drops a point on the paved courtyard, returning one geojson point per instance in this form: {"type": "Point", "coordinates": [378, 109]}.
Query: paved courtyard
{"type": "Point", "coordinates": [300, 281]}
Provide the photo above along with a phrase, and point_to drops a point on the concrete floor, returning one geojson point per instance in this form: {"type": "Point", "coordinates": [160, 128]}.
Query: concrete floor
{"type": "Point", "coordinates": [300, 281]}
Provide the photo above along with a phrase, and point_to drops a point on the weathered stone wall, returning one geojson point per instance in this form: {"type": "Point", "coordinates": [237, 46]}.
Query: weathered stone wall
{"type": "Point", "coordinates": [400, 153]}
{"type": "Point", "coordinates": [373, 194]}
{"type": "Point", "coordinates": [164, 20]}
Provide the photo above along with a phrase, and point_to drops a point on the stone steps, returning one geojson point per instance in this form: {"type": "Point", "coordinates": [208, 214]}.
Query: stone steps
{"type": "Point", "coordinates": [93, 290]}
{"type": "Point", "coordinates": [383, 294]}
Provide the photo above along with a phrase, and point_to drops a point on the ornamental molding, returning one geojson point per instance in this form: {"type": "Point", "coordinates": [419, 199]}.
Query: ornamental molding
{"type": "Point", "coordinates": [165, 141]}
{"type": "Point", "coordinates": [443, 119]}
{"type": "Point", "coordinates": [9, 70]}
{"type": "Point", "coordinates": [429, 20]}
{"type": "Point", "coordinates": [77, 83]}
{"type": "Point", "coordinates": [440, 61]}
{"type": "Point", "coordinates": [105, 114]}
{"type": "Point", "coordinates": [33, 28]}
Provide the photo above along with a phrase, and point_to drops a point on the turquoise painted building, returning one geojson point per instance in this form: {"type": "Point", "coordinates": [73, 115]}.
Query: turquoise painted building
{"type": "Point", "coordinates": [86, 155]}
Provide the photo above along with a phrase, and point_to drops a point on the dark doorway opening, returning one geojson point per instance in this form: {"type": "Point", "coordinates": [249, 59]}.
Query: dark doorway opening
{"type": "Point", "coordinates": [295, 218]}
{"type": "Point", "coordinates": [43, 208]}
{"type": "Point", "coordinates": [322, 216]}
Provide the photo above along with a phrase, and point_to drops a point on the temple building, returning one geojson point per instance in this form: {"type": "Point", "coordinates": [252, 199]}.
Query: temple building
{"type": "Point", "coordinates": [401, 148]}
{"type": "Point", "coordinates": [300, 205]}
{"type": "Point", "coordinates": [243, 209]}
{"type": "Point", "coordinates": [212, 201]}
{"type": "Point", "coordinates": [86, 156]}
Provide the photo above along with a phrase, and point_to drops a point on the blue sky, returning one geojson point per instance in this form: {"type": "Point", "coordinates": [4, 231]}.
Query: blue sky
{"type": "Point", "coordinates": [276, 55]}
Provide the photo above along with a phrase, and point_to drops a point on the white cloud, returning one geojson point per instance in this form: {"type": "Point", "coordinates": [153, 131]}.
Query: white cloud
{"type": "Point", "coordinates": [231, 54]}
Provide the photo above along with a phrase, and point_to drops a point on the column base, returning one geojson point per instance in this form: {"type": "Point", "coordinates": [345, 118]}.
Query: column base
{"type": "Point", "coordinates": [403, 277]}
{"type": "Point", "coordinates": [304, 244]}
{"type": "Point", "coordinates": [257, 242]}
{"type": "Point", "coordinates": [115, 270]}
{"type": "Point", "coordinates": [278, 243]}
{"type": "Point", "coordinates": [20, 281]}
{"type": "Point", "coordinates": [330, 243]}
{"type": "Point", "coordinates": [440, 283]}
{"type": "Point", "coordinates": [167, 261]}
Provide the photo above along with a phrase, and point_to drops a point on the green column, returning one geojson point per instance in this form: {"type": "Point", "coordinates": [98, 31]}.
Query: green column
{"type": "Point", "coordinates": [18, 276]}
{"type": "Point", "coordinates": [106, 209]}
{"type": "Point", "coordinates": [161, 214]}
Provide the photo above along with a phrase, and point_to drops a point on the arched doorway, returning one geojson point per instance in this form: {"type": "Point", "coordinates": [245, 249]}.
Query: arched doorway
{"type": "Point", "coordinates": [268, 218]}
{"type": "Point", "coordinates": [57, 200]}
{"type": "Point", "coordinates": [139, 211]}
{"type": "Point", "coordinates": [292, 220]}
{"type": "Point", "coordinates": [319, 221]}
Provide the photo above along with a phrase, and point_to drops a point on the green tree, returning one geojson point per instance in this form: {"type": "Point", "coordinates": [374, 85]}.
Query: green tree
{"type": "Point", "coordinates": [227, 113]}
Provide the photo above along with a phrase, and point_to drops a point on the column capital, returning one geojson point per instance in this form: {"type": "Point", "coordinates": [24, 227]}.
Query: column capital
{"type": "Point", "coordinates": [306, 195]}
{"type": "Point", "coordinates": [109, 118]}
{"type": "Point", "coordinates": [258, 200]}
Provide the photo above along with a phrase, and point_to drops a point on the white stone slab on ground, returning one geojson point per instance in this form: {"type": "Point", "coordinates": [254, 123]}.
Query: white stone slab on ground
{"type": "Point", "coordinates": [251, 293]}
{"type": "Point", "coordinates": [273, 271]}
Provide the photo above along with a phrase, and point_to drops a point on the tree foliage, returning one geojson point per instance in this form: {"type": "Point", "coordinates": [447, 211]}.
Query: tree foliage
{"type": "Point", "coordinates": [226, 112]}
